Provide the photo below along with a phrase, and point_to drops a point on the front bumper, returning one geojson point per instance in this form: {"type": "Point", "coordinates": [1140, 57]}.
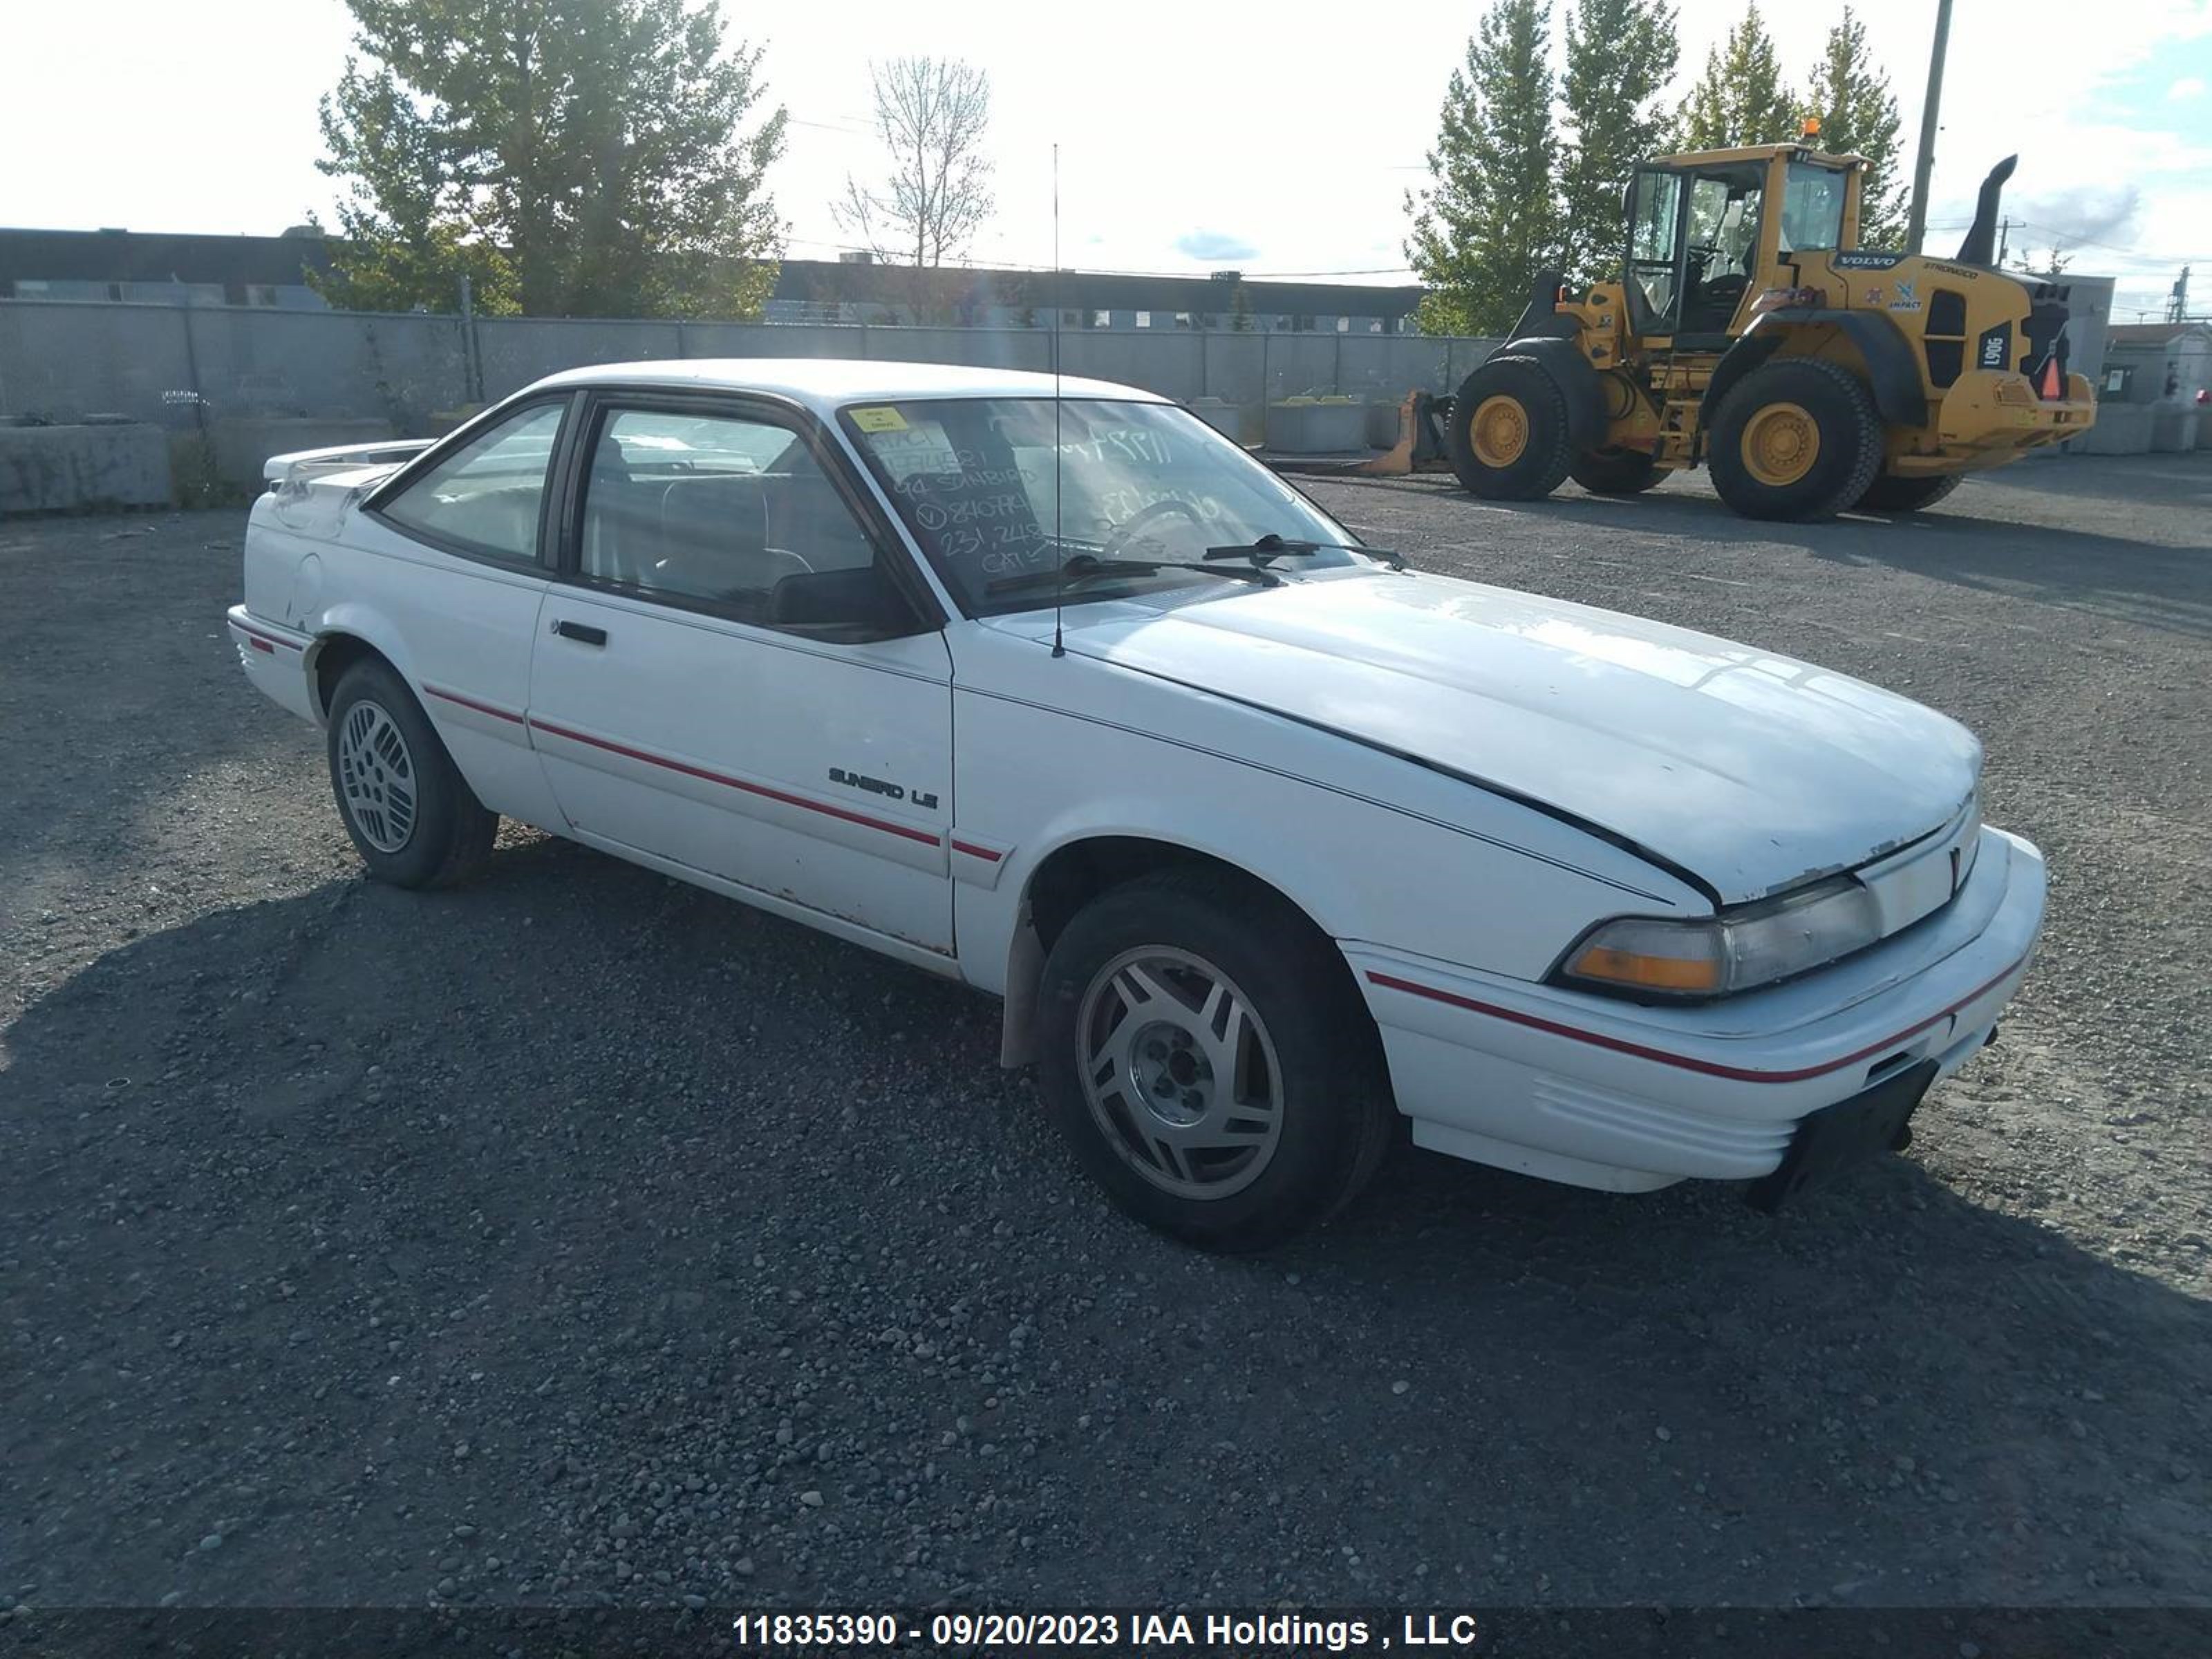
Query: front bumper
{"type": "Point", "coordinates": [1597, 1093]}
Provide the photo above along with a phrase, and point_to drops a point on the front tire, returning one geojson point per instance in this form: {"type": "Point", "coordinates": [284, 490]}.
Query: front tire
{"type": "Point", "coordinates": [1506, 432]}
{"type": "Point", "coordinates": [1797, 439]}
{"type": "Point", "coordinates": [1206, 1053]}
{"type": "Point", "coordinates": [412, 817]}
{"type": "Point", "coordinates": [1888, 494]}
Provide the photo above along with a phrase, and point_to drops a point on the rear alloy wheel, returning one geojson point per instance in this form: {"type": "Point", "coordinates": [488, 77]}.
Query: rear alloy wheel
{"type": "Point", "coordinates": [1506, 432]}
{"type": "Point", "coordinates": [412, 816]}
{"type": "Point", "coordinates": [1797, 439]}
{"type": "Point", "coordinates": [1616, 471]}
{"type": "Point", "coordinates": [375, 776]}
{"type": "Point", "coordinates": [1204, 1051]}
{"type": "Point", "coordinates": [1891, 493]}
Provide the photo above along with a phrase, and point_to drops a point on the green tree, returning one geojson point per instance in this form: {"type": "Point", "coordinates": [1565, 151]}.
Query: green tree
{"type": "Point", "coordinates": [1240, 307]}
{"type": "Point", "coordinates": [1620, 55]}
{"type": "Point", "coordinates": [576, 157]}
{"type": "Point", "coordinates": [1850, 96]}
{"type": "Point", "coordinates": [1741, 98]}
{"type": "Point", "coordinates": [1489, 219]}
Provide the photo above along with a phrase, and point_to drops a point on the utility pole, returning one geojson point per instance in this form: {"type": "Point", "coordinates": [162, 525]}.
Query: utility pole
{"type": "Point", "coordinates": [1917, 223]}
{"type": "Point", "coordinates": [2004, 238]}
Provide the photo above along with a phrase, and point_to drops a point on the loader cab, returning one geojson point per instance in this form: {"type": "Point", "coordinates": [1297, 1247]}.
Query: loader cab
{"type": "Point", "coordinates": [1707, 232]}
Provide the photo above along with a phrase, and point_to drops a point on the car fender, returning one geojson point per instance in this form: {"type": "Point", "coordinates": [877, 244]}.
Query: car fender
{"type": "Point", "coordinates": [1386, 850]}
{"type": "Point", "coordinates": [372, 627]}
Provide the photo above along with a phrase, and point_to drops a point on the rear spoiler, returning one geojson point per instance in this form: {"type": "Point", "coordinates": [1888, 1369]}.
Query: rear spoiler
{"type": "Point", "coordinates": [337, 458]}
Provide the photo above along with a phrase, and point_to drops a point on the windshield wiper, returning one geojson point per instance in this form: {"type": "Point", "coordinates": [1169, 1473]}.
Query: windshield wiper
{"type": "Point", "coordinates": [1273, 546]}
{"type": "Point", "coordinates": [1083, 567]}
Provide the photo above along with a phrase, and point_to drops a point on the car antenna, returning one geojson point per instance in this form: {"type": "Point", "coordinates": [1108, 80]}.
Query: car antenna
{"type": "Point", "coordinates": [1059, 547]}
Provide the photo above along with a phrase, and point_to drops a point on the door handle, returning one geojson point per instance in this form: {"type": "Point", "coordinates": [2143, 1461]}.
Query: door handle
{"type": "Point", "coordinates": [582, 632]}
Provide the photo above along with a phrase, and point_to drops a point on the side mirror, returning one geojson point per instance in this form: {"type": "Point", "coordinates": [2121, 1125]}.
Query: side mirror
{"type": "Point", "coordinates": [856, 604]}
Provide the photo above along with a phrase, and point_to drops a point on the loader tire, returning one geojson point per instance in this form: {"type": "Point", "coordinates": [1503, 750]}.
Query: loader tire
{"type": "Point", "coordinates": [1615, 471]}
{"type": "Point", "coordinates": [1506, 435]}
{"type": "Point", "coordinates": [1889, 494]}
{"type": "Point", "coordinates": [1796, 440]}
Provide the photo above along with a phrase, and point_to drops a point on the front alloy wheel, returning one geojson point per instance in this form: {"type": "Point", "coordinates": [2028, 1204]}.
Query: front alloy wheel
{"type": "Point", "coordinates": [1180, 1073]}
{"type": "Point", "coordinates": [1204, 1049]}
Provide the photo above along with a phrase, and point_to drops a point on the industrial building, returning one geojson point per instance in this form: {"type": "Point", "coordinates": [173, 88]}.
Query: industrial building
{"type": "Point", "coordinates": [163, 267]}
{"type": "Point", "coordinates": [172, 268]}
{"type": "Point", "coordinates": [859, 291]}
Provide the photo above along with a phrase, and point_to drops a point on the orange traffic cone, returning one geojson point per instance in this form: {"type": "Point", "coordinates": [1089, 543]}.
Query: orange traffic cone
{"type": "Point", "coordinates": [2052, 387]}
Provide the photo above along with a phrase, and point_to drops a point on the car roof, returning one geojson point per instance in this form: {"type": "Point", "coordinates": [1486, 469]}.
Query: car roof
{"type": "Point", "coordinates": [828, 383]}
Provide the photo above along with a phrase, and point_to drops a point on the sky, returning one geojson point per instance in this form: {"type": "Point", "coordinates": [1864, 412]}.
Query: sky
{"type": "Point", "coordinates": [1279, 139]}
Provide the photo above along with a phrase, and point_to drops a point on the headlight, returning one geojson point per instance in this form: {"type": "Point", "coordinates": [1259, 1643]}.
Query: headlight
{"type": "Point", "coordinates": [1731, 952]}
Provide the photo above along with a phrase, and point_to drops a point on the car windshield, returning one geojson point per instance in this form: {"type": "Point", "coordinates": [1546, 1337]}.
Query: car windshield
{"type": "Point", "coordinates": [975, 480]}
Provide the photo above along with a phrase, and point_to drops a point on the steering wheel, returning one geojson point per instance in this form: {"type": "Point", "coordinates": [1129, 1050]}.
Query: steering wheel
{"type": "Point", "coordinates": [1122, 533]}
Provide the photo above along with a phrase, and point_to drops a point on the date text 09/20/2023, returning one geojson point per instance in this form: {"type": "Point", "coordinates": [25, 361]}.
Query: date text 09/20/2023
{"type": "Point", "coordinates": [799, 1632]}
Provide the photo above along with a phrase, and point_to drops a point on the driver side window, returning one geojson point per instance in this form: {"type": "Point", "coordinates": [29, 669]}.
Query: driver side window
{"type": "Point", "coordinates": [732, 514]}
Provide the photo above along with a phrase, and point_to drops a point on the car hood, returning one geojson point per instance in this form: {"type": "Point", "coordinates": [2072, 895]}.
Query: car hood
{"type": "Point", "coordinates": [1752, 771]}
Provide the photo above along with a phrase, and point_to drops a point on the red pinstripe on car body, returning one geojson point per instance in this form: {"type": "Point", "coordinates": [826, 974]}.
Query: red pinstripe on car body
{"type": "Point", "coordinates": [927, 837]}
{"type": "Point", "coordinates": [1688, 1063]}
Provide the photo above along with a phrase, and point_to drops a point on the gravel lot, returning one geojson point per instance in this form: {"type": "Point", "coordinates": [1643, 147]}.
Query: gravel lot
{"type": "Point", "coordinates": [575, 1236]}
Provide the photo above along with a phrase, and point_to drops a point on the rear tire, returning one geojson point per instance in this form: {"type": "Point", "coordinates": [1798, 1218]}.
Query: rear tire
{"type": "Point", "coordinates": [1616, 471]}
{"type": "Point", "coordinates": [1889, 494]}
{"type": "Point", "coordinates": [1797, 439]}
{"type": "Point", "coordinates": [1206, 1053]}
{"type": "Point", "coordinates": [1506, 432]}
{"type": "Point", "coordinates": [414, 820]}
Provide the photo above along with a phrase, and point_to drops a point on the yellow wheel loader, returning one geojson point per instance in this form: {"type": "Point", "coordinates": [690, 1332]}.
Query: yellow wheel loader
{"type": "Point", "coordinates": [1751, 334]}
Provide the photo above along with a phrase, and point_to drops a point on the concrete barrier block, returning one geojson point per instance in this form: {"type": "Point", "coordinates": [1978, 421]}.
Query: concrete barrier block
{"type": "Point", "coordinates": [2121, 429]}
{"type": "Point", "coordinates": [243, 442]}
{"type": "Point", "coordinates": [2173, 431]}
{"type": "Point", "coordinates": [69, 469]}
{"type": "Point", "coordinates": [1241, 424]}
{"type": "Point", "coordinates": [1302, 428]}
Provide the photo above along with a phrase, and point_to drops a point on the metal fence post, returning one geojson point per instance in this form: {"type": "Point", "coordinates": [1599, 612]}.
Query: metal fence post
{"type": "Point", "coordinates": [192, 367]}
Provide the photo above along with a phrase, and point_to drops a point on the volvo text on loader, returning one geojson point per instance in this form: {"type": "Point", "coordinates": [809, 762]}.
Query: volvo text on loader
{"type": "Point", "coordinates": [1751, 333]}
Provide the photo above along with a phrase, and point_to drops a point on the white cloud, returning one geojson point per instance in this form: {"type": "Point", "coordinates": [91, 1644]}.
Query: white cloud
{"type": "Point", "coordinates": [2189, 86]}
{"type": "Point", "coordinates": [1213, 245]}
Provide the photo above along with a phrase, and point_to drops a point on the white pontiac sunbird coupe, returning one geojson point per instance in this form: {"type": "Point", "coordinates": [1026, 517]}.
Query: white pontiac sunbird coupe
{"type": "Point", "coordinates": [1263, 839]}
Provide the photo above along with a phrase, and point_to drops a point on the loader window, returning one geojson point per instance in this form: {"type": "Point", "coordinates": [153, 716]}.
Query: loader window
{"type": "Point", "coordinates": [1653, 213]}
{"type": "Point", "coordinates": [1812, 208]}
